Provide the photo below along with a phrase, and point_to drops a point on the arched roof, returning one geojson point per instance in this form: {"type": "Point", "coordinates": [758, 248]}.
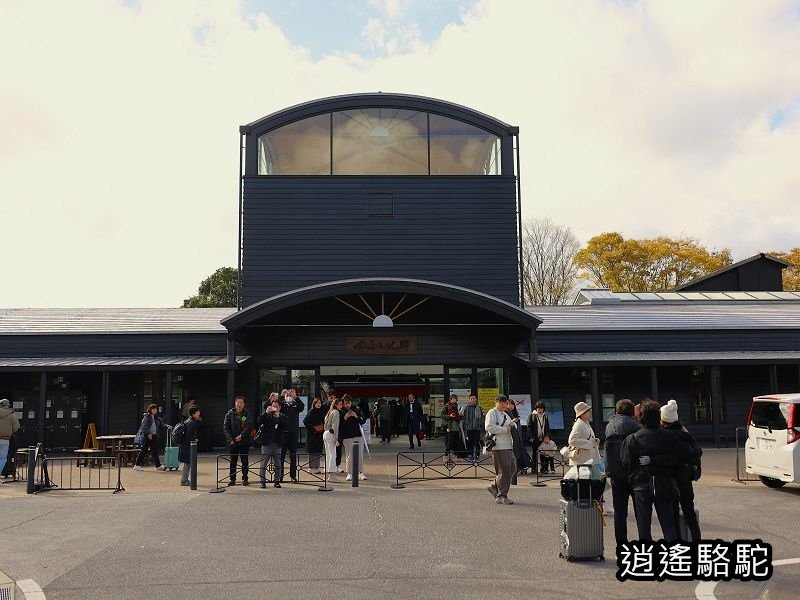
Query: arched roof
{"type": "Point", "coordinates": [253, 313]}
{"type": "Point", "coordinates": [378, 100]}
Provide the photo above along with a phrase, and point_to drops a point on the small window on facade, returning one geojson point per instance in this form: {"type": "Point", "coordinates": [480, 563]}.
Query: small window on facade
{"type": "Point", "coordinates": [381, 204]}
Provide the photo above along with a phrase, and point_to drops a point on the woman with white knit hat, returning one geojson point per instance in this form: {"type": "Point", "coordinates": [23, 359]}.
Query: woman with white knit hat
{"type": "Point", "coordinates": [687, 470]}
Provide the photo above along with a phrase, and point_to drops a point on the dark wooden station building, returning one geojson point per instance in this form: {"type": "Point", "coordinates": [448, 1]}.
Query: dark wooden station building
{"type": "Point", "coordinates": [400, 275]}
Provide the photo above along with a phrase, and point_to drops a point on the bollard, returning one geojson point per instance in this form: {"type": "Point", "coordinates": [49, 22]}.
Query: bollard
{"type": "Point", "coordinates": [355, 463]}
{"type": "Point", "coordinates": [193, 465]}
{"type": "Point", "coordinates": [31, 470]}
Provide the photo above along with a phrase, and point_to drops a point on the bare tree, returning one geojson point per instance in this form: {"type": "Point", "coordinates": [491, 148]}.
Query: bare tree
{"type": "Point", "coordinates": [549, 272]}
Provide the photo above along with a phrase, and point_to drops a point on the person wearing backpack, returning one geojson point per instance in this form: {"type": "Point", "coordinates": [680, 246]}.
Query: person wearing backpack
{"type": "Point", "coordinates": [183, 435]}
{"type": "Point", "coordinates": [687, 471]}
{"type": "Point", "coordinates": [620, 426]}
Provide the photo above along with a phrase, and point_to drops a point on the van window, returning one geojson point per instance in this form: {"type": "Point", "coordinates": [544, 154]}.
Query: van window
{"type": "Point", "coordinates": [772, 415]}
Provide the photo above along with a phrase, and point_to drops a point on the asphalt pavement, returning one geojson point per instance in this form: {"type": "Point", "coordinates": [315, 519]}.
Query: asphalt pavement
{"type": "Point", "coordinates": [157, 540]}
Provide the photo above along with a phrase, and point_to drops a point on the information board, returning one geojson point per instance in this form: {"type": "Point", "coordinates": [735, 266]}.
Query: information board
{"type": "Point", "coordinates": [486, 397]}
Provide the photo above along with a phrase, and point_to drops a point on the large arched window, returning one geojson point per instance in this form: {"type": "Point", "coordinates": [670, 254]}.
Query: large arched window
{"type": "Point", "coordinates": [379, 141]}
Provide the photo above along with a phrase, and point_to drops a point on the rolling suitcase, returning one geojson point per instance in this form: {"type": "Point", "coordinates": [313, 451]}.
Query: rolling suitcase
{"type": "Point", "coordinates": [580, 528]}
{"type": "Point", "coordinates": [170, 455]}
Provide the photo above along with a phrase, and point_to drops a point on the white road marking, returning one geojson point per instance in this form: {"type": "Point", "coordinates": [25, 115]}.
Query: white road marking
{"type": "Point", "coordinates": [31, 590]}
{"type": "Point", "coordinates": [705, 589]}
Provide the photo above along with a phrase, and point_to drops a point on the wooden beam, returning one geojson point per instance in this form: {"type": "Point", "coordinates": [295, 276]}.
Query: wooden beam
{"type": "Point", "coordinates": [359, 311]}
{"type": "Point", "coordinates": [425, 299]}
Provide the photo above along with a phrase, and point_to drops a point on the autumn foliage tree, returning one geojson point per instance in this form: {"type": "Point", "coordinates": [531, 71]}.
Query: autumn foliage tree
{"type": "Point", "coordinates": [646, 265]}
{"type": "Point", "coordinates": [218, 290]}
{"type": "Point", "coordinates": [791, 275]}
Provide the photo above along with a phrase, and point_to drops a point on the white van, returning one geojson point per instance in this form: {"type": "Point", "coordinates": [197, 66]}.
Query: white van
{"type": "Point", "coordinates": [773, 439]}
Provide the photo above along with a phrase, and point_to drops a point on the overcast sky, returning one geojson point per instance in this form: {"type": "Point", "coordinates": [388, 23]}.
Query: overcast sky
{"type": "Point", "coordinates": [119, 120]}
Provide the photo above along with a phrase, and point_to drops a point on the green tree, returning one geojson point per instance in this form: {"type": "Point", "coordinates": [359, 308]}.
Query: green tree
{"type": "Point", "coordinates": [646, 265]}
{"type": "Point", "coordinates": [216, 291]}
{"type": "Point", "coordinates": [791, 275]}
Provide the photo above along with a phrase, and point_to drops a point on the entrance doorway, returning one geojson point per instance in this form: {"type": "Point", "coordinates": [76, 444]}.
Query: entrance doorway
{"type": "Point", "coordinates": [391, 384]}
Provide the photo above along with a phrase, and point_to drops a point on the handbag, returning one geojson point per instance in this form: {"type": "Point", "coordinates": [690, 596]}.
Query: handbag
{"type": "Point", "coordinates": [318, 428]}
{"type": "Point", "coordinates": [258, 436]}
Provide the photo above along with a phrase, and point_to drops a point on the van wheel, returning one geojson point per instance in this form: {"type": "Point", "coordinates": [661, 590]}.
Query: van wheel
{"type": "Point", "coordinates": [771, 482]}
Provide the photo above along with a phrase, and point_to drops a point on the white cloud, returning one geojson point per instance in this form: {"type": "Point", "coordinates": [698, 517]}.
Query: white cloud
{"type": "Point", "coordinates": [118, 127]}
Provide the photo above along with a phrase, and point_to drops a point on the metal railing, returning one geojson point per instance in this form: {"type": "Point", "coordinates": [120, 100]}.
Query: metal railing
{"type": "Point", "coordinates": [304, 475]}
{"type": "Point", "coordinates": [742, 476]}
{"type": "Point", "coordinates": [72, 473]}
{"type": "Point", "coordinates": [413, 467]}
{"type": "Point", "coordinates": [556, 472]}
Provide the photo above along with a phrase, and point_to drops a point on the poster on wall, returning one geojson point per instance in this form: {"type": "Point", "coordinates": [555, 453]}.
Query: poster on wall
{"type": "Point", "coordinates": [523, 402]}
{"type": "Point", "coordinates": [554, 407]}
{"type": "Point", "coordinates": [486, 397]}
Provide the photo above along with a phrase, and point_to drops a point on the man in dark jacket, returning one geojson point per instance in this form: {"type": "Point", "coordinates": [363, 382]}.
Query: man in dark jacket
{"type": "Point", "coordinates": [412, 418]}
{"type": "Point", "coordinates": [350, 422]}
{"type": "Point", "coordinates": [620, 426]}
{"type": "Point", "coordinates": [237, 425]}
{"type": "Point", "coordinates": [292, 408]}
{"type": "Point", "coordinates": [273, 424]}
{"type": "Point", "coordinates": [685, 470]}
{"type": "Point", "coordinates": [650, 456]}
{"type": "Point", "coordinates": [184, 452]}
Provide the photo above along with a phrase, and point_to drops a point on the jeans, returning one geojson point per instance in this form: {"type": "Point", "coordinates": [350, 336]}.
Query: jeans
{"type": "Point", "coordinates": [237, 451]}
{"type": "Point", "coordinates": [621, 493]}
{"type": "Point", "coordinates": [330, 452]}
{"type": "Point", "coordinates": [686, 503]}
{"type": "Point", "coordinates": [505, 466]}
{"type": "Point", "coordinates": [271, 453]}
{"type": "Point", "coordinates": [643, 502]}
{"type": "Point", "coordinates": [4, 444]}
{"type": "Point", "coordinates": [348, 453]}
{"type": "Point", "coordinates": [474, 443]}
{"type": "Point", "coordinates": [290, 446]}
{"type": "Point", "coordinates": [151, 443]}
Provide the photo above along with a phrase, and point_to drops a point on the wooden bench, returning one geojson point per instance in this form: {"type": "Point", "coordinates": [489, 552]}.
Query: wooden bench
{"type": "Point", "coordinates": [88, 457]}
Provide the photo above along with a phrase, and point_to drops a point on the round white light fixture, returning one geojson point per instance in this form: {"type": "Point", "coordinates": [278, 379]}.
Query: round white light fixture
{"type": "Point", "coordinates": [382, 321]}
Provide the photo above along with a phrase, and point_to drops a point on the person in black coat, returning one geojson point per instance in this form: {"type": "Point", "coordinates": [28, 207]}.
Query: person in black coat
{"type": "Point", "coordinates": [620, 426]}
{"type": "Point", "coordinates": [350, 422]}
{"type": "Point", "coordinates": [237, 426]}
{"type": "Point", "coordinates": [685, 471]}
{"type": "Point", "coordinates": [292, 408]}
{"type": "Point", "coordinates": [314, 424]}
{"type": "Point", "coordinates": [273, 425]}
{"type": "Point", "coordinates": [650, 456]}
{"type": "Point", "coordinates": [184, 448]}
{"type": "Point", "coordinates": [412, 419]}
{"type": "Point", "coordinates": [523, 460]}
{"type": "Point", "coordinates": [538, 427]}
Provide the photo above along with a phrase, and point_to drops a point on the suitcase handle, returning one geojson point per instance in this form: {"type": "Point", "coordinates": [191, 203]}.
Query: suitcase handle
{"type": "Point", "coordinates": [588, 501]}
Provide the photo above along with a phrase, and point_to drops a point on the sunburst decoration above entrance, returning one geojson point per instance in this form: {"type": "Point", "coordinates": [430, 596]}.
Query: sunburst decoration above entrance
{"type": "Point", "coordinates": [382, 319]}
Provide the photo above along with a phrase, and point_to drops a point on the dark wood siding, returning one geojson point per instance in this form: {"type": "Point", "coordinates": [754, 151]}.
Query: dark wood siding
{"type": "Point", "coordinates": [462, 345]}
{"type": "Point", "coordinates": [667, 341]}
{"type": "Point", "coordinates": [112, 345]}
{"type": "Point", "coordinates": [299, 231]}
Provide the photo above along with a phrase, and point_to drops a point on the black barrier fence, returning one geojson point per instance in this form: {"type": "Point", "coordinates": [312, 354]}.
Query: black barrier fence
{"type": "Point", "coordinates": [555, 464]}
{"type": "Point", "coordinates": [305, 476]}
{"type": "Point", "coordinates": [742, 476]}
{"type": "Point", "coordinates": [72, 473]}
{"type": "Point", "coordinates": [413, 467]}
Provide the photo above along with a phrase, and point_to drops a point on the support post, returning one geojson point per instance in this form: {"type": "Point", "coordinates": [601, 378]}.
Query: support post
{"type": "Point", "coordinates": [355, 463]}
{"type": "Point", "coordinates": [715, 404]}
{"type": "Point", "coordinates": [773, 379]}
{"type": "Point", "coordinates": [654, 383]}
{"type": "Point", "coordinates": [597, 409]}
{"type": "Point", "coordinates": [231, 384]}
{"type": "Point", "coordinates": [104, 403]}
{"type": "Point", "coordinates": [42, 405]}
{"type": "Point", "coordinates": [169, 410]}
{"type": "Point", "coordinates": [193, 465]}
